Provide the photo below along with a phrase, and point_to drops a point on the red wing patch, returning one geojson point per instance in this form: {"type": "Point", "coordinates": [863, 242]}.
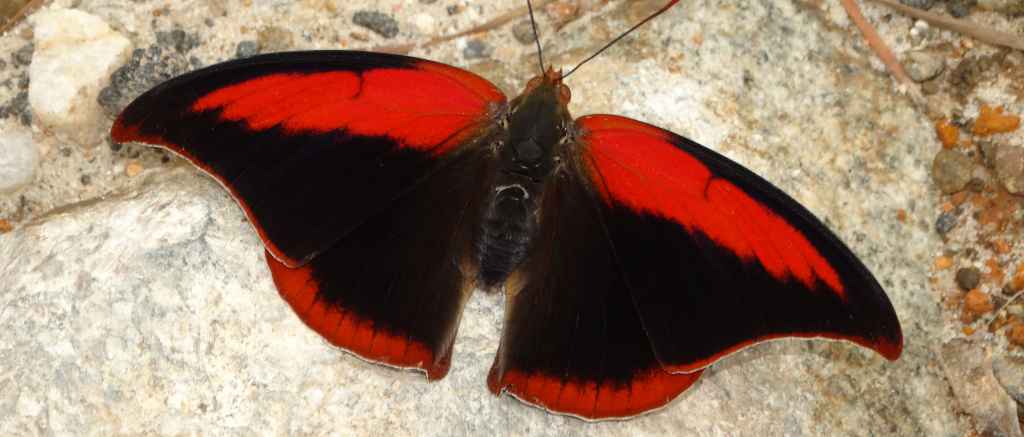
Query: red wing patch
{"type": "Point", "coordinates": [348, 330]}
{"type": "Point", "coordinates": [635, 165]}
{"type": "Point", "coordinates": [420, 107]}
{"type": "Point", "coordinates": [590, 400]}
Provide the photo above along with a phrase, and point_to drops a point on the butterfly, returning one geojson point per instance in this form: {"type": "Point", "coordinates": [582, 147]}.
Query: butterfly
{"type": "Point", "coordinates": [387, 188]}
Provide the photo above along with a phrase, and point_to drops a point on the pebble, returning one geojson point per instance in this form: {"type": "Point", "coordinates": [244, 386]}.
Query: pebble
{"type": "Point", "coordinates": [994, 121]}
{"type": "Point", "coordinates": [18, 107]}
{"type": "Point", "coordinates": [178, 39]}
{"type": "Point", "coordinates": [920, 4]}
{"type": "Point", "coordinates": [977, 303]}
{"type": "Point", "coordinates": [960, 8]}
{"type": "Point", "coordinates": [477, 49]}
{"type": "Point", "coordinates": [274, 39]}
{"type": "Point", "coordinates": [379, 22]}
{"type": "Point", "coordinates": [424, 23]}
{"type": "Point", "coordinates": [523, 32]}
{"type": "Point", "coordinates": [1009, 165]}
{"type": "Point", "coordinates": [945, 223]}
{"type": "Point", "coordinates": [5, 226]}
{"type": "Point", "coordinates": [968, 278]}
{"type": "Point", "coordinates": [23, 56]}
{"type": "Point", "coordinates": [18, 157]}
{"type": "Point", "coordinates": [133, 169]}
{"type": "Point", "coordinates": [75, 54]}
{"type": "Point", "coordinates": [922, 65]}
{"type": "Point", "coordinates": [951, 170]}
{"type": "Point", "coordinates": [247, 49]}
{"type": "Point", "coordinates": [1016, 334]}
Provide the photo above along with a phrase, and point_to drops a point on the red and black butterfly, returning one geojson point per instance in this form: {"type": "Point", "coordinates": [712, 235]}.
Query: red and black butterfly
{"type": "Point", "coordinates": [387, 188]}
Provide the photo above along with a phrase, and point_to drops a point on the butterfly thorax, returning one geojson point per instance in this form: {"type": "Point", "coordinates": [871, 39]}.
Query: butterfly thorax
{"type": "Point", "coordinates": [537, 122]}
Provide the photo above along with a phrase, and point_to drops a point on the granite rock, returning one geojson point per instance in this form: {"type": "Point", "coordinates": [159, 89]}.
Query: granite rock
{"type": "Point", "coordinates": [968, 367]}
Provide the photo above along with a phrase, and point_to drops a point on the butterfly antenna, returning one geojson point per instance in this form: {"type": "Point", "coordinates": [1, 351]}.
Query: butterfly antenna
{"type": "Point", "coordinates": [627, 32]}
{"type": "Point", "coordinates": [536, 36]}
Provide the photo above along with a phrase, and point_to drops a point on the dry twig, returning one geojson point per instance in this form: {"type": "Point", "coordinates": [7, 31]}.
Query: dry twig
{"type": "Point", "coordinates": [962, 26]}
{"type": "Point", "coordinates": [875, 42]}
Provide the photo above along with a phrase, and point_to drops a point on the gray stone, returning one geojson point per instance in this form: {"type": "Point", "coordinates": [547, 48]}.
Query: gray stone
{"type": "Point", "coordinates": [379, 22]}
{"type": "Point", "coordinates": [945, 223]}
{"type": "Point", "coordinates": [968, 367]}
{"type": "Point", "coordinates": [951, 170]}
{"type": "Point", "coordinates": [247, 49]}
{"type": "Point", "coordinates": [523, 32]}
{"type": "Point", "coordinates": [1009, 163]}
{"type": "Point", "coordinates": [476, 49]}
{"type": "Point", "coordinates": [924, 65]}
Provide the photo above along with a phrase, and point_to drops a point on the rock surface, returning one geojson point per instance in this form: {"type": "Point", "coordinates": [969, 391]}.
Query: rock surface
{"type": "Point", "coordinates": [969, 371]}
{"type": "Point", "coordinates": [142, 306]}
{"type": "Point", "coordinates": [155, 308]}
{"type": "Point", "coordinates": [75, 52]}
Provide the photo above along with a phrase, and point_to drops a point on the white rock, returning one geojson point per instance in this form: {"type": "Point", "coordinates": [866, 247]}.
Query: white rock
{"type": "Point", "coordinates": [75, 53]}
{"type": "Point", "coordinates": [424, 23]}
{"type": "Point", "coordinates": [18, 157]}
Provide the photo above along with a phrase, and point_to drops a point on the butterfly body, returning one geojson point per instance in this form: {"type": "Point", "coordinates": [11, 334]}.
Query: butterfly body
{"type": "Point", "coordinates": [528, 153]}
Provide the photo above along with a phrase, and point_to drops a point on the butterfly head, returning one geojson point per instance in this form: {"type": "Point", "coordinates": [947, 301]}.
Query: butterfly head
{"type": "Point", "coordinates": [538, 120]}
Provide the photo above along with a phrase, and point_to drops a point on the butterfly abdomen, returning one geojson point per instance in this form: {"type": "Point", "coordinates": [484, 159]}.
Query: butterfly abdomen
{"type": "Point", "coordinates": [506, 230]}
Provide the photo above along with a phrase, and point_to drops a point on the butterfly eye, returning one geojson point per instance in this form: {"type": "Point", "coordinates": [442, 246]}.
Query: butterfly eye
{"type": "Point", "coordinates": [564, 94]}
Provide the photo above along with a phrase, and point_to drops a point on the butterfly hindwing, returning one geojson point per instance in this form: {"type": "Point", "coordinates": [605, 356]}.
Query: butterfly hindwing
{"type": "Point", "coordinates": [313, 143]}
{"type": "Point", "coordinates": [717, 258]}
{"type": "Point", "coordinates": [362, 173]}
{"type": "Point", "coordinates": [573, 341]}
{"type": "Point", "coordinates": [393, 289]}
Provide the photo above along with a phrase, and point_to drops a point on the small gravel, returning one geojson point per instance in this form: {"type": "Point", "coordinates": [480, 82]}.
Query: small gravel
{"type": "Point", "coordinates": [951, 170]}
{"type": "Point", "coordinates": [945, 223]}
{"type": "Point", "coordinates": [379, 22]}
{"type": "Point", "coordinates": [967, 278]}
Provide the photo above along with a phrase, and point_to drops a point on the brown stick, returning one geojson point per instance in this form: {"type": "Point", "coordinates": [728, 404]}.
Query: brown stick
{"type": "Point", "coordinates": [18, 16]}
{"type": "Point", "coordinates": [962, 26]}
{"type": "Point", "coordinates": [875, 42]}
